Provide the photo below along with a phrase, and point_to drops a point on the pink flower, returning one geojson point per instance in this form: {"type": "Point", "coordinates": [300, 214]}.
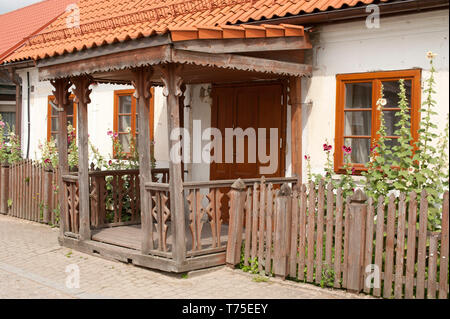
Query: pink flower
{"type": "Point", "coordinates": [347, 150]}
{"type": "Point", "coordinates": [47, 161]}
{"type": "Point", "coordinates": [327, 147]}
{"type": "Point", "coordinates": [307, 157]}
{"type": "Point", "coordinates": [353, 170]}
{"type": "Point", "coordinates": [110, 133]}
{"type": "Point", "coordinates": [2, 124]}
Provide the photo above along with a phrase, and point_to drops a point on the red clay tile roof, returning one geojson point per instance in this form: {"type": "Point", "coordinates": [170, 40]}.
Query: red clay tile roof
{"type": "Point", "coordinates": [19, 24]}
{"type": "Point", "coordinates": [108, 21]}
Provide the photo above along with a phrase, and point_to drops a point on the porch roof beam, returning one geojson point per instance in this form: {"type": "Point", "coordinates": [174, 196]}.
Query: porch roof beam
{"type": "Point", "coordinates": [166, 54]}
{"type": "Point", "coordinates": [244, 45]}
{"type": "Point", "coordinates": [143, 43]}
{"type": "Point", "coordinates": [240, 62]}
{"type": "Point", "coordinates": [117, 61]}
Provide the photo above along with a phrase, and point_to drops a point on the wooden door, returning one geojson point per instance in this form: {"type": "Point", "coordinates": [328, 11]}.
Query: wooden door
{"type": "Point", "coordinates": [250, 106]}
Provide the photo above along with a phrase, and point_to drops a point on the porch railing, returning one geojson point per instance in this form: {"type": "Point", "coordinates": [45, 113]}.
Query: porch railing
{"type": "Point", "coordinates": [208, 213]}
{"type": "Point", "coordinates": [160, 217]}
{"type": "Point", "coordinates": [207, 206]}
{"type": "Point", "coordinates": [72, 205]}
{"type": "Point", "coordinates": [114, 198]}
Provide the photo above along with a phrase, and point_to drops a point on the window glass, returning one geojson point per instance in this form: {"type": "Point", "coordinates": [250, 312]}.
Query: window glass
{"type": "Point", "coordinates": [125, 141]}
{"type": "Point", "coordinates": [125, 104]}
{"type": "Point", "coordinates": [358, 123]}
{"type": "Point", "coordinates": [358, 95]}
{"type": "Point", "coordinates": [360, 149]}
{"type": "Point", "coordinates": [391, 90]}
{"type": "Point", "coordinates": [124, 123]}
{"type": "Point", "coordinates": [392, 118]}
{"type": "Point", "coordinates": [10, 118]}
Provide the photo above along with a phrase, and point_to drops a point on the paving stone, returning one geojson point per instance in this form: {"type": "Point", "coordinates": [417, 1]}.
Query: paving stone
{"type": "Point", "coordinates": [33, 265]}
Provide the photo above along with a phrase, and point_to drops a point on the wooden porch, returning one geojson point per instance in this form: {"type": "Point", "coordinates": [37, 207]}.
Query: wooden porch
{"type": "Point", "coordinates": [171, 224]}
{"type": "Point", "coordinates": [131, 237]}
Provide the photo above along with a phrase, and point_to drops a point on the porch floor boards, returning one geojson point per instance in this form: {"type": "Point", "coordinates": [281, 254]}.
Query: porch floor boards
{"type": "Point", "coordinates": [131, 236]}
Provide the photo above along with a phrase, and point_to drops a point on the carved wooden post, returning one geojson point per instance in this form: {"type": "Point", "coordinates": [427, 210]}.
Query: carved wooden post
{"type": "Point", "coordinates": [282, 231]}
{"type": "Point", "coordinates": [356, 241]}
{"type": "Point", "coordinates": [82, 93]}
{"type": "Point", "coordinates": [62, 100]}
{"type": "Point", "coordinates": [295, 90]}
{"type": "Point", "coordinates": [172, 91]}
{"type": "Point", "coordinates": [4, 183]}
{"type": "Point", "coordinates": [236, 223]}
{"type": "Point", "coordinates": [142, 93]}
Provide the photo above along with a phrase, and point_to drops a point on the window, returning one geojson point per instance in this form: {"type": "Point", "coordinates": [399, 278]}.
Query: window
{"type": "Point", "coordinates": [8, 113]}
{"type": "Point", "coordinates": [126, 117]}
{"type": "Point", "coordinates": [52, 118]}
{"type": "Point", "coordinates": [357, 117]}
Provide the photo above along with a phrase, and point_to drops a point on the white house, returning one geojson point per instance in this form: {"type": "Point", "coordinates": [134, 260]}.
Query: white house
{"type": "Point", "coordinates": [355, 50]}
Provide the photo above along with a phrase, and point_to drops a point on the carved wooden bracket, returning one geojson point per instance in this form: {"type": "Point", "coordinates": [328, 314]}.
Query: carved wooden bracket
{"type": "Point", "coordinates": [168, 71]}
{"type": "Point", "coordinates": [61, 92]}
{"type": "Point", "coordinates": [141, 82]}
{"type": "Point", "coordinates": [81, 90]}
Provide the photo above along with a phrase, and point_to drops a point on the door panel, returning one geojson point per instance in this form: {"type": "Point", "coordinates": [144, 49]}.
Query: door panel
{"type": "Point", "coordinates": [257, 106]}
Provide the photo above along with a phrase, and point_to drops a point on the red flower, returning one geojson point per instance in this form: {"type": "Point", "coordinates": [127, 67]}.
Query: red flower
{"type": "Point", "coordinates": [372, 148]}
{"type": "Point", "coordinates": [327, 147]}
{"type": "Point", "coordinates": [346, 149]}
{"type": "Point", "coordinates": [110, 162]}
{"type": "Point", "coordinates": [353, 170]}
{"type": "Point", "coordinates": [47, 160]}
{"type": "Point", "coordinates": [307, 157]}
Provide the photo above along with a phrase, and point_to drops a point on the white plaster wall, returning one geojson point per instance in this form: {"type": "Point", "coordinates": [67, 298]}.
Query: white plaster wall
{"type": "Point", "coordinates": [400, 43]}
{"type": "Point", "coordinates": [100, 117]}
{"type": "Point", "coordinates": [200, 109]}
{"type": "Point", "coordinates": [160, 127]}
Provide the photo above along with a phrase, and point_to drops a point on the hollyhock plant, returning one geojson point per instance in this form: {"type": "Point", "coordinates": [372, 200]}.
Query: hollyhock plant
{"type": "Point", "coordinates": [329, 165]}
{"type": "Point", "coordinates": [10, 151]}
{"type": "Point", "coordinates": [347, 183]}
{"type": "Point", "coordinates": [308, 167]}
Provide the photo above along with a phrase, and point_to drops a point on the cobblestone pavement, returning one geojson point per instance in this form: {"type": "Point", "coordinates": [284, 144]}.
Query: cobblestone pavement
{"type": "Point", "coordinates": [33, 265]}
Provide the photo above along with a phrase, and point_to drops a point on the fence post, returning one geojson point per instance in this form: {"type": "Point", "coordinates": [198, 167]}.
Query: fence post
{"type": "Point", "coordinates": [236, 223]}
{"type": "Point", "coordinates": [356, 241]}
{"type": "Point", "coordinates": [47, 195]}
{"type": "Point", "coordinates": [282, 231]}
{"type": "Point", "coordinates": [4, 182]}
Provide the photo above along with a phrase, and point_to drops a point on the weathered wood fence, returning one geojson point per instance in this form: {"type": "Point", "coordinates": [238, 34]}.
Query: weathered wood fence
{"type": "Point", "coordinates": [28, 191]}
{"type": "Point", "coordinates": [313, 235]}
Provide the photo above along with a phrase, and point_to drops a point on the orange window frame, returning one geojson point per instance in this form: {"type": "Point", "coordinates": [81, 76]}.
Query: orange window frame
{"type": "Point", "coordinates": [376, 78]}
{"type": "Point", "coordinates": [117, 95]}
{"type": "Point", "coordinates": [50, 115]}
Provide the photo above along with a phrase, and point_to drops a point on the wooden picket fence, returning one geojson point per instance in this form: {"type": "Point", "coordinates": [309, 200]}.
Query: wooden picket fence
{"type": "Point", "coordinates": [30, 192]}
{"type": "Point", "coordinates": [311, 234]}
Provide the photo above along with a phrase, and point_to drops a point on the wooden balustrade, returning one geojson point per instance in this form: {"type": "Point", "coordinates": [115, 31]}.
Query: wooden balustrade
{"type": "Point", "coordinates": [160, 218]}
{"type": "Point", "coordinates": [72, 204]}
{"type": "Point", "coordinates": [115, 196]}
{"type": "Point", "coordinates": [208, 204]}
